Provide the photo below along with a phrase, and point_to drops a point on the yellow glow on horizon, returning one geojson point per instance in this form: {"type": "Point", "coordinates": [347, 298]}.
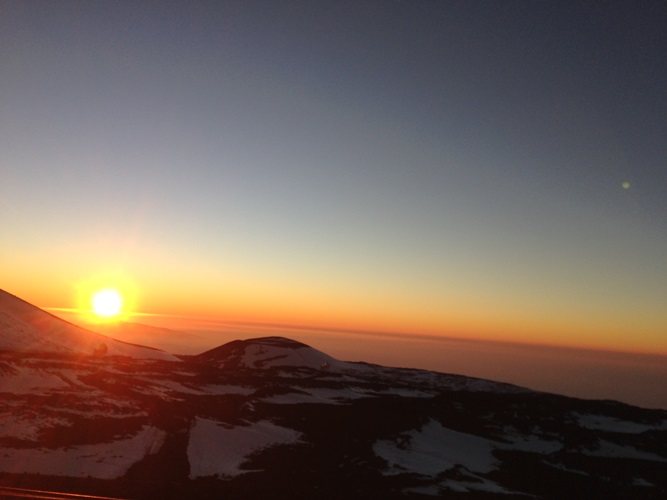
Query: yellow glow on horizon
{"type": "Point", "coordinates": [536, 319]}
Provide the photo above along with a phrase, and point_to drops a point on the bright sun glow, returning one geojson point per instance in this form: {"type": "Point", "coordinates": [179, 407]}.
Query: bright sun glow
{"type": "Point", "coordinates": [108, 296]}
{"type": "Point", "coordinates": [107, 303]}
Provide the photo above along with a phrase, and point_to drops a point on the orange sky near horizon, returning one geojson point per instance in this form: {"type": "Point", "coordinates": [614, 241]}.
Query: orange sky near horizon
{"type": "Point", "coordinates": [472, 299]}
{"type": "Point", "coordinates": [631, 377]}
{"type": "Point", "coordinates": [398, 314]}
{"type": "Point", "coordinates": [456, 169]}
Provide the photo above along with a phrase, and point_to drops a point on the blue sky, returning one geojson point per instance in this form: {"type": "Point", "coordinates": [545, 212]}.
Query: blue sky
{"type": "Point", "coordinates": [440, 167]}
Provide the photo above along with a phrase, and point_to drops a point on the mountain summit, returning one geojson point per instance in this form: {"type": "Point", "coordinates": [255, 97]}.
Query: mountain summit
{"type": "Point", "coordinates": [269, 352]}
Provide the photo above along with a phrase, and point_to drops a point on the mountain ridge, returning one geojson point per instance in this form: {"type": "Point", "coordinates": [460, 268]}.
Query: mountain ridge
{"type": "Point", "coordinates": [36, 330]}
{"type": "Point", "coordinates": [275, 417]}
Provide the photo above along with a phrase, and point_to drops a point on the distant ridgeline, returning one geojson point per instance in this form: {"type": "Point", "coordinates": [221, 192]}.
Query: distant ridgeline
{"type": "Point", "coordinates": [275, 418]}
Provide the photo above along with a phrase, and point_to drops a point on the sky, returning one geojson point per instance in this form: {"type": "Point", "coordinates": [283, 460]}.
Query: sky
{"type": "Point", "coordinates": [476, 170]}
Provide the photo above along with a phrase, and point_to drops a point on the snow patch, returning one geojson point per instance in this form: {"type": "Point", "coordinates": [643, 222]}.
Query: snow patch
{"type": "Point", "coordinates": [401, 392]}
{"type": "Point", "coordinates": [215, 450]}
{"type": "Point", "coordinates": [102, 460]}
{"type": "Point", "coordinates": [27, 426]}
{"type": "Point", "coordinates": [434, 449]}
{"type": "Point", "coordinates": [166, 386]}
{"type": "Point", "coordinates": [224, 389]}
{"type": "Point", "coordinates": [269, 356]}
{"type": "Point", "coordinates": [607, 449]}
{"type": "Point", "coordinates": [320, 395]}
{"type": "Point", "coordinates": [529, 443]}
{"type": "Point", "coordinates": [610, 424]}
{"type": "Point", "coordinates": [27, 381]}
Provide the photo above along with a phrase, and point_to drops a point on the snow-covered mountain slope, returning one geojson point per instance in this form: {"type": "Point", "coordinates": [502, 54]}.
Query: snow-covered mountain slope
{"type": "Point", "coordinates": [26, 328]}
{"type": "Point", "coordinates": [275, 418]}
{"type": "Point", "coordinates": [272, 352]}
{"type": "Point", "coordinates": [242, 422]}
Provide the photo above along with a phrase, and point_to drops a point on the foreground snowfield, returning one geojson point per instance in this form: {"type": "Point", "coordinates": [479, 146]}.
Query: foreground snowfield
{"type": "Point", "coordinates": [272, 417]}
{"type": "Point", "coordinates": [216, 424]}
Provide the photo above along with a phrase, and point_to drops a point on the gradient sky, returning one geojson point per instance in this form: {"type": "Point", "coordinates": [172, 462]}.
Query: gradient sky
{"type": "Point", "coordinates": [445, 168]}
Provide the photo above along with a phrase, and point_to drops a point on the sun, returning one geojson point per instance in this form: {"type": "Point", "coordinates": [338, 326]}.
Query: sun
{"type": "Point", "coordinates": [107, 297]}
{"type": "Point", "coordinates": [107, 303]}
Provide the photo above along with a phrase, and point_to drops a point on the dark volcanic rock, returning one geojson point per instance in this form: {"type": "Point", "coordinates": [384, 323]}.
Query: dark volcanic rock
{"type": "Point", "coordinates": [273, 417]}
{"type": "Point", "coordinates": [147, 428]}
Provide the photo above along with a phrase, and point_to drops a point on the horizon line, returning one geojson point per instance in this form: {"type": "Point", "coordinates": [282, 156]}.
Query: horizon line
{"type": "Point", "coordinates": [360, 331]}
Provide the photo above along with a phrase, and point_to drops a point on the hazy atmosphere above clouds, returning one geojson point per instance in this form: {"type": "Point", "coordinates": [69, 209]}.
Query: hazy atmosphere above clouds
{"type": "Point", "coordinates": [487, 170]}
